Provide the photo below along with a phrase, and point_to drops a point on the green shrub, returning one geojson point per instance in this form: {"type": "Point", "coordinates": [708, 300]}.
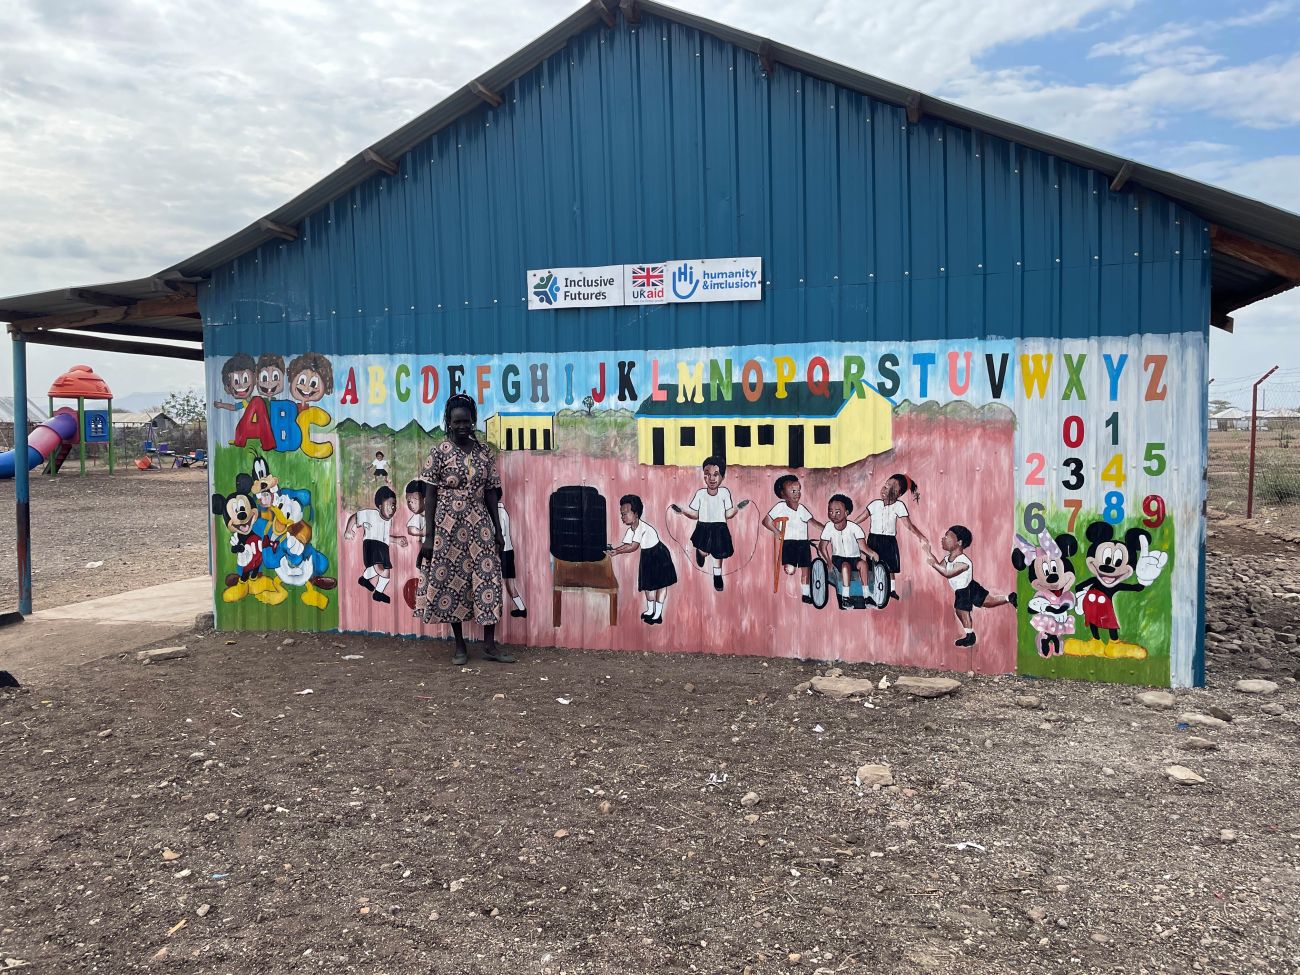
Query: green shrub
{"type": "Point", "coordinates": [1278, 485]}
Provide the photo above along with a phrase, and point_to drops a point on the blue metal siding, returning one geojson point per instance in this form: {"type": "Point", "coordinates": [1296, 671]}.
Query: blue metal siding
{"type": "Point", "coordinates": [660, 141]}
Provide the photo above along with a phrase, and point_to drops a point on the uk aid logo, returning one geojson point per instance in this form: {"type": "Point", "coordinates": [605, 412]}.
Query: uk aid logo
{"type": "Point", "coordinates": [647, 282]}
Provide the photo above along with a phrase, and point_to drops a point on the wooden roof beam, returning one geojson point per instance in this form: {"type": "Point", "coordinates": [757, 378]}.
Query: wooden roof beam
{"type": "Point", "coordinates": [1122, 177]}
{"type": "Point", "coordinates": [1282, 263]}
{"type": "Point", "coordinates": [915, 108]}
{"type": "Point", "coordinates": [767, 57]}
{"type": "Point", "coordinates": [281, 230]}
{"type": "Point", "coordinates": [103, 299]}
{"type": "Point", "coordinates": [171, 307]}
{"type": "Point", "coordinates": [379, 162]}
{"type": "Point", "coordinates": [631, 12]}
{"type": "Point", "coordinates": [100, 344]}
{"type": "Point", "coordinates": [605, 11]}
{"type": "Point", "coordinates": [486, 93]}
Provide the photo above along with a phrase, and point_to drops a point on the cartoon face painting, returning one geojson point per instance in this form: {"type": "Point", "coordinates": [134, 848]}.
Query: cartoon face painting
{"type": "Point", "coordinates": [270, 376]}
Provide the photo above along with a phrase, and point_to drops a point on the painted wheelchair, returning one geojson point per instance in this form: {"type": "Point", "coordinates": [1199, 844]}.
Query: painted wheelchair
{"type": "Point", "coordinates": [873, 591]}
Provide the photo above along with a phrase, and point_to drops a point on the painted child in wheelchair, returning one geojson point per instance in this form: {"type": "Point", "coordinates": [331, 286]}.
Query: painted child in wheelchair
{"type": "Point", "coordinates": [844, 546]}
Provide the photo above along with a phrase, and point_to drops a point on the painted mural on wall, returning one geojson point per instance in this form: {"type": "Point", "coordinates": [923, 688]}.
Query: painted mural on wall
{"type": "Point", "coordinates": [997, 505]}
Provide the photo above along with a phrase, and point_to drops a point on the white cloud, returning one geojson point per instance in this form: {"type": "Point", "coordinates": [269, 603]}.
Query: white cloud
{"type": "Point", "coordinates": [134, 133]}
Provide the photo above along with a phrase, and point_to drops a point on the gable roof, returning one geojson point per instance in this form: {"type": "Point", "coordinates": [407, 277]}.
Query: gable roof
{"type": "Point", "coordinates": [1256, 246]}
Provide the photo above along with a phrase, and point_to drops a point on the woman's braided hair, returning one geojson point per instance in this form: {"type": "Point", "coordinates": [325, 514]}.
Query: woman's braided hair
{"type": "Point", "coordinates": [456, 402]}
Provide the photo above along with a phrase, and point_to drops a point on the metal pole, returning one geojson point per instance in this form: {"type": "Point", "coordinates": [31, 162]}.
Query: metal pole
{"type": "Point", "coordinates": [22, 483]}
{"type": "Point", "coordinates": [1254, 409]}
{"type": "Point", "coordinates": [81, 431]}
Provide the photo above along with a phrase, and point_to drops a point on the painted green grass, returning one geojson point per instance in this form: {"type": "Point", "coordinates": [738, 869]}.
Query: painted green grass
{"type": "Point", "coordinates": [298, 471]}
{"type": "Point", "coordinates": [404, 449]}
{"type": "Point", "coordinates": [1145, 617]}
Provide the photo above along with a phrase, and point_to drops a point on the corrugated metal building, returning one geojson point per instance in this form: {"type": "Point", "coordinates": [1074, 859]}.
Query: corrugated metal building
{"type": "Point", "coordinates": [1034, 315]}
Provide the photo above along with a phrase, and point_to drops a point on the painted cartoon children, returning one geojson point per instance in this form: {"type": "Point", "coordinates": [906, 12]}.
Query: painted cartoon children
{"type": "Point", "coordinates": [843, 545]}
{"type": "Point", "coordinates": [415, 505]}
{"type": "Point", "coordinates": [1051, 574]}
{"type": "Point", "coordinates": [270, 375]}
{"type": "Point", "coordinates": [711, 508]}
{"type": "Point", "coordinates": [376, 523]}
{"type": "Point", "coordinates": [956, 567]}
{"type": "Point", "coordinates": [380, 466]}
{"type": "Point", "coordinates": [656, 571]}
{"type": "Point", "coordinates": [1112, 561]}
{"type": "Point", "coordinates": [508, 570]}
{"type": "Point", "coordinates": [311, 378]}
{"type": "Point", "coordinates": [789, 520]}
{"type": "Point", "coordinates": [237, 378]}
{"type": "Point", "coordinates": [886, 513]}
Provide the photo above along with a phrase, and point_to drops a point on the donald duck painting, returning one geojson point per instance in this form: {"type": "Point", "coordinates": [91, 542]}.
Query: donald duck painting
{"type": "Point", "coordinates": [289, 554]}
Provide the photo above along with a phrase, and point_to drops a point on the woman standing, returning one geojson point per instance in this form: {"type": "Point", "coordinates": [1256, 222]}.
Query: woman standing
{"type": "Point", "coordinates": [461, 578]}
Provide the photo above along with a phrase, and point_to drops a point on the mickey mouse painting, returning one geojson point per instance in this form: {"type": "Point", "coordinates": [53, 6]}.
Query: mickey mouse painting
{"type": "Point", "coordinates": [1113, 562]}
{"type": "Point", "coordinates": [240, 513]}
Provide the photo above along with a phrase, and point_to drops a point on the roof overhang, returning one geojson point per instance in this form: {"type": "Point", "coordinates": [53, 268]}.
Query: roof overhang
{"type": "Point", "coordinates": [1255, 248]}
{"type": "Point", "coordinates": [162, 311]}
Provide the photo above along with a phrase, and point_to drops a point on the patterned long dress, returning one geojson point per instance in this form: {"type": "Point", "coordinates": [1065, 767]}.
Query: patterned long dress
{"type": "Point", "coordinates": [462, 580]}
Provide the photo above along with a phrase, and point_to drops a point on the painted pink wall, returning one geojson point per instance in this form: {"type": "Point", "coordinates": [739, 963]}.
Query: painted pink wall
{"type": "Point", "coordinates": [965, 472]}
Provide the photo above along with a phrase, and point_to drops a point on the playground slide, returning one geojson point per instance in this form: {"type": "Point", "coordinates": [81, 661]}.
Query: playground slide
{"type": "Point", "coordinates": [59, 430]}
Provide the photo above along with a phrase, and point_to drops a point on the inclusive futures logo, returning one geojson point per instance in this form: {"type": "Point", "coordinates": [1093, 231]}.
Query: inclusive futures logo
{"type": "Point", "coordinates": [546, 288]}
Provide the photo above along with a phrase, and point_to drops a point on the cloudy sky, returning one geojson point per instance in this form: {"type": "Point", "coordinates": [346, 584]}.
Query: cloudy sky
{"type": "Point", "coordinates": [134, 133]}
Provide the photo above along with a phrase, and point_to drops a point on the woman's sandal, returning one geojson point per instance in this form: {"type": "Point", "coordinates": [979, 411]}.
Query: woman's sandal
{"type": "Point", "coordinates": [461, 658]}
{"type": "Point", "coordinates": [499, 655]}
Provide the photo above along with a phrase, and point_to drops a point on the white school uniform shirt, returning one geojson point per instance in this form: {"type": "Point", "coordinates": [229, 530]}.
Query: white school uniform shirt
{"type": "Point", "coordinates": [643, 535]}
{"type": "Point", "coordinates": [962, 580]}
{"type": "Point", "coordinates": [844, 543]}
{"type": "Point", "coordinates": [712, 507]}
{"type": "Point", "coordinates": [379, 465]}
{"type": "Point", "coordinates": [884, 518]}
{"type": "Point", "coordinates": [505, 527]}
{"type": "Point", "coordinates": [796, 526]}
{"type": "Point", "coordinates": [415, 526]}
{"type": "Point", "coordinates": [376, 528]}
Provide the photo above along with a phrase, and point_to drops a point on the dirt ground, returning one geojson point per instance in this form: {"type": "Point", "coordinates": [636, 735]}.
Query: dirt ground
{"type": "Point", "coordinates": [583, 812]}
{"type": "Point", "coordinates": [143, 527]}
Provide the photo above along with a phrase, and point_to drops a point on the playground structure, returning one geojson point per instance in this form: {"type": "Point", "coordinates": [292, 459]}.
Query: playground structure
{"type": "Point", "coordinates": [82, 383]}
{"type": "Point", "coordinates": [51, 443]}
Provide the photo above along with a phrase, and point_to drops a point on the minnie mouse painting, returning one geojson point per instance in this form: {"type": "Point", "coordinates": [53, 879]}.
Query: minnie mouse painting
{"type": "Point", "coordinates": [1051, 574]}
{"type": "Point", "coordinates": [1112, 562]}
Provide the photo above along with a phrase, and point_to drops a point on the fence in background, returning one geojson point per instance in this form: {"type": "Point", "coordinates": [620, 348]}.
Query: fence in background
{"type": "Point", "coordinates": [1276, 446]}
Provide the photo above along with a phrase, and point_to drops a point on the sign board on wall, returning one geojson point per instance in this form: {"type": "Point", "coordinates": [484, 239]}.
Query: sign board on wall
{"type": "Point", "coordinates": [664, 283]}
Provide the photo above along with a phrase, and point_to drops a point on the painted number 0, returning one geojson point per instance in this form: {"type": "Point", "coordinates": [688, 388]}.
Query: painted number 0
{"type": "Point", "coordinates": [1072, 432]}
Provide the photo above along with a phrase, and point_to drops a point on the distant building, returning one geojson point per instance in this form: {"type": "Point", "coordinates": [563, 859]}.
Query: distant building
{"type": "Point", "coordinates": [1232, 418]}
{"type": "Point", "coordinates": [521, 431]}
{"type": "Point", "coordinates": [163, 424]}
{"type": "Point", "coordinates": [35, 411]}
{"type": "Point", "coordinates": [799, 429]}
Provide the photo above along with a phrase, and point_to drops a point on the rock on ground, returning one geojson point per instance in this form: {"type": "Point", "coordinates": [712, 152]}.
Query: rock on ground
{"type": "Point", "coordinates": [1257, 686]}
{"type": "Point", "coordinates": [875, 776]}
{"type": "Point", "coordinates": [841, 688]}
{"type": "Point", "coordinates": [161, 653]}
{"type": "Point", "coordinates": [1159, 700]}
{"type": "Point", "coordinates": [927, 686]}
{"type": "Point", "coordinates": [1183, 775]}
{"type": "Point", "coordinates": [1204, 720]}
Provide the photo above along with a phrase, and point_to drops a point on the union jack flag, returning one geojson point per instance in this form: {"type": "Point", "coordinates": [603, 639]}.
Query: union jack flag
{"type": "Point", "coordinates": [648, 276]}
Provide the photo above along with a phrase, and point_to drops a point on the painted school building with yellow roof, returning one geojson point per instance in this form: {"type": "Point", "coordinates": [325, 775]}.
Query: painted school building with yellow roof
{"type": "Point", "coordinates": [800, 429]}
